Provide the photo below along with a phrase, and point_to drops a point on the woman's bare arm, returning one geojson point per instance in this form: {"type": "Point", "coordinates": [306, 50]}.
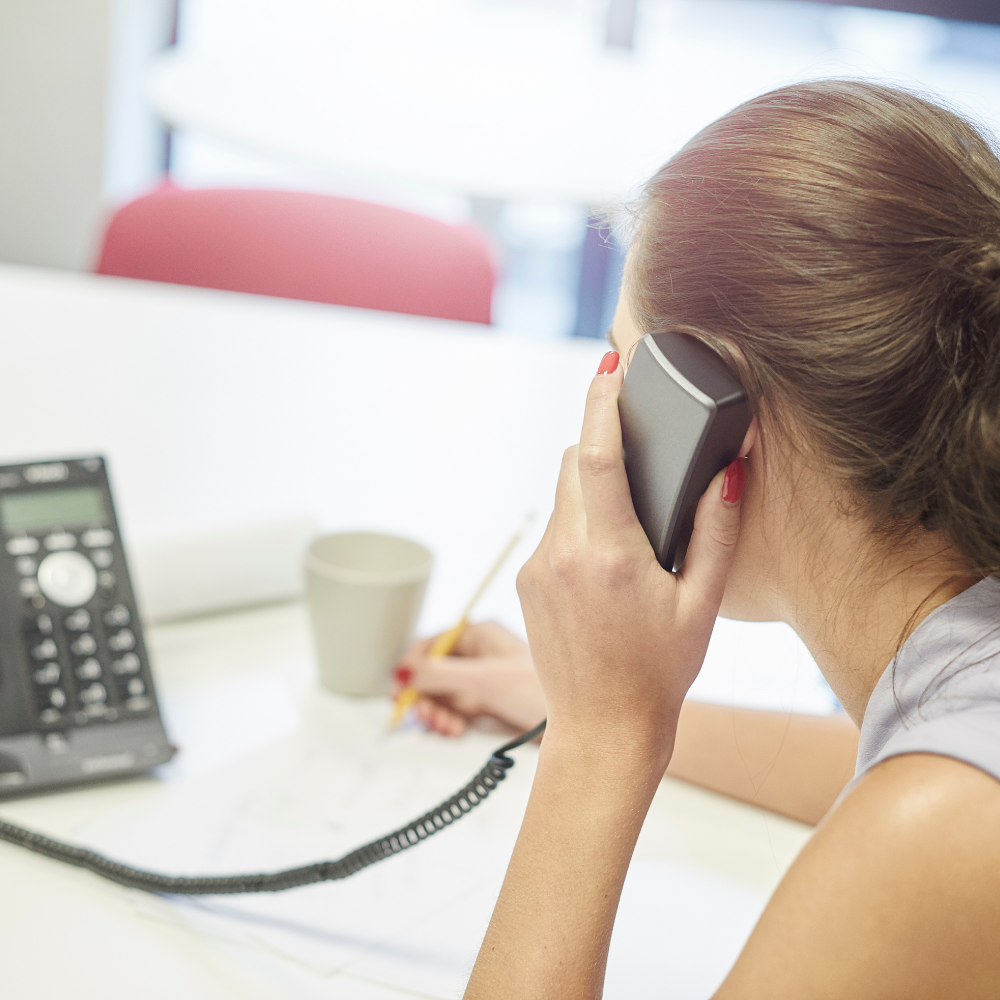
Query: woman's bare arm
{"type": "Point", "coordinates": [789, 763]}
{"type": "Point", "coordinates": [792, 764]}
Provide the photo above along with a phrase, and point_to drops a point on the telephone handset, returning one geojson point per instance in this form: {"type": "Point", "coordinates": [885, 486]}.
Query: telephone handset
{"type": "Point", "coordinates": [683, 417]}
{"type": "Point", "coordinates": [76, 695]}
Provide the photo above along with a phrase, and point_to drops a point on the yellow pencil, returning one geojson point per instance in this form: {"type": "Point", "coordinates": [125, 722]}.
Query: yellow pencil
{"type": "Point", "coordinates": [445, 642]}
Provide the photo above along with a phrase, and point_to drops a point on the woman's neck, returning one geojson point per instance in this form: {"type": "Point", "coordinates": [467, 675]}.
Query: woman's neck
{"type": "Point", "coordinates": [871, 595]}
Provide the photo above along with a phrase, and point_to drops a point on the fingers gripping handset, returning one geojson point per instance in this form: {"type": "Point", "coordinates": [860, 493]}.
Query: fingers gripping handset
{"type": "Point", "coordinates": [616, 638]}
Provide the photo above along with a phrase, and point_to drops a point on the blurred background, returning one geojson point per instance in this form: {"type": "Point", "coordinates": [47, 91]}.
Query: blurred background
{"type": "Point", "coordinates": [523, 118]}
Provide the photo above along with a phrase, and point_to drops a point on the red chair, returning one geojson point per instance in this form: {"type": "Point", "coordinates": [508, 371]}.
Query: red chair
{"type": "Point", "coordinates": [299, 245]}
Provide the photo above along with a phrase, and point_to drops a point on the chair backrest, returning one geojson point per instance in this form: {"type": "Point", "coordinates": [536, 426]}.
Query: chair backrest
{"type": "Point", "coordinates": [300, 245]}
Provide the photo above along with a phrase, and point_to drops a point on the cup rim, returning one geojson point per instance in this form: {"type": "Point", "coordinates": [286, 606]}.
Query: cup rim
{"type": "Point", "coordinates": [366, 577]}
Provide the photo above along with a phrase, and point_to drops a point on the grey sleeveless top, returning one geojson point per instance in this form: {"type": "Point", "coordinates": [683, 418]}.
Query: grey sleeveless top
{"type": "Point", "coordinates": [942, 693]}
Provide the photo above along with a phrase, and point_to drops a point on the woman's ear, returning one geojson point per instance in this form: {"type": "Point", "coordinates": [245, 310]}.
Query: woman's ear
{"type": "Point", "coordinates": [750, 439]}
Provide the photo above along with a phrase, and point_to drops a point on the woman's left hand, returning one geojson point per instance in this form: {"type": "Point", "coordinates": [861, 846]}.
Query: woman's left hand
{"type": "Point", "coordinates": [616, 640]}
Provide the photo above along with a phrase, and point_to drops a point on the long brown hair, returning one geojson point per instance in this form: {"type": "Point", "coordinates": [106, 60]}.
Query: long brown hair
{"type": "Point", "coordinates": [839, 241]}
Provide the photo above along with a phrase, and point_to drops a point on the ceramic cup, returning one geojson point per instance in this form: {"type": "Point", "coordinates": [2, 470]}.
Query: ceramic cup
{"type": "Point", "coordinates": [364, 591]}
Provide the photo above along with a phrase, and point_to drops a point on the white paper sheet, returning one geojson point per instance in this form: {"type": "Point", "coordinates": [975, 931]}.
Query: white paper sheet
{"type": "Point", "coordinates": [415, 921]}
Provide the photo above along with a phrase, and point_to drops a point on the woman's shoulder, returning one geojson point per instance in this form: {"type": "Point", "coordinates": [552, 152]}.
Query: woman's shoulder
{"type": "Point", "coordinates": [896, 895]}
{"type": "Point", "coordinates": [941, 693]}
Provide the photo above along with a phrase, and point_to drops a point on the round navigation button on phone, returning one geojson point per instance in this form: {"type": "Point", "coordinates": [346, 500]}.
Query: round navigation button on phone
{"type": "Point", "coordinates": [67, 578]}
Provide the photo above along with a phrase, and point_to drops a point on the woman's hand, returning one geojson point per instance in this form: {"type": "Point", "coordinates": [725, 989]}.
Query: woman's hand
{"type": "Point", "coordinates": [490, 673]}
{"type": "Point", "coordinates": [617, 640]}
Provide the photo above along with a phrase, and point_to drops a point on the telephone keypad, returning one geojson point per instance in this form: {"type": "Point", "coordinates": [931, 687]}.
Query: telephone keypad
{"type": "Point", "coordinates": [82, 675]}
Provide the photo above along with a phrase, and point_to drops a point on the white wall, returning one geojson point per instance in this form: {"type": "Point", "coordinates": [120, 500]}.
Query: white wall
{"type": "Point", "coordinates": [70, 106]}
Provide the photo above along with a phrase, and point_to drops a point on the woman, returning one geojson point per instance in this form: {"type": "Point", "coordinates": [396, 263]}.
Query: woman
{"type": "Point", "coordinates": [839, 244]}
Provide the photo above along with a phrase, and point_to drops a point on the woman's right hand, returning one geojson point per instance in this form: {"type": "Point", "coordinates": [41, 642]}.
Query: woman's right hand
{"type": "Point", "coordinates": [490, 673]}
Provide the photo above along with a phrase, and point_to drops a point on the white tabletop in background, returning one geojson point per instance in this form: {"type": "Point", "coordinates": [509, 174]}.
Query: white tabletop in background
{"type": "Point", "coordinates": [231, 685]}
{"type": "Point", "coordinates": [216, 409]}
{"type": "Point", "coordinates": [510, 100]}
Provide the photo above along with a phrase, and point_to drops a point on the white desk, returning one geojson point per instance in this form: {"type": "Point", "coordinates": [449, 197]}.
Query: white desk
{"type": "Point", "coordinates": [62, 930]}
{"type": "Point", "coordinates": [506, 100]}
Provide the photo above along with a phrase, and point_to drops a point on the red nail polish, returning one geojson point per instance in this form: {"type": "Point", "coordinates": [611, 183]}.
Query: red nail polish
{"type": "Point", "coordinates": [609, 363]}
{"type": "Point", "coordinates": [734, 481]}
{"type": "Point", "coordinates": [403, 674]}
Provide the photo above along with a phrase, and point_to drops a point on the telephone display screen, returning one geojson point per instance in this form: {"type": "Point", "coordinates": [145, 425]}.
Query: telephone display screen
{"type": "Point", "coordinates": [42, 509]}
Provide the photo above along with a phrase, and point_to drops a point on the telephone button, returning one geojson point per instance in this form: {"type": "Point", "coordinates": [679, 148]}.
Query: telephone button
{"type": "Point", "coordinates": [128, 664]}
{"type": "Point", "coordinates": [57, 698]}
{"type": "Point", "coordinates": [135, 687]}
{"type": "Point", "coordinates": [117, 616]}
{"type": "Point", "coordinates": [138, 704]}
{"type": "Point", "coordinates": [85, 645]}
{"type": "Point", "coordinates": [67, 578]}
{"type": "Point", "coordinates": [95, 694]}
{"type": "Point", "coordinates": [97, 538]}
{"type": "Point", "coordinates": [107, 581]}
{"type": "Point", "coordinates": [28, 587]}
{"type": "Point", "coordinates": [89, 670]}
{"type": "Point", "coordinates": [101, 558]}
{"type": "Point", "coordinates": [49, 674]}
{"type": "Point", "coordinates": [121, 641]}
{"type": "Point", "coordinates": [59, 540]}
{"type": "Point", "coordinates": [77, 621]}
{"type": "Point", "coordinates": [22, 546]}
{"type": "Point", "coordinates": [26, 566]}
{"type": "Point", "coordinates": [45, 650]}
{"type": "Point", "coordinates": [49, 716]}
{"type": "Point", "coordinates": [41, 625]}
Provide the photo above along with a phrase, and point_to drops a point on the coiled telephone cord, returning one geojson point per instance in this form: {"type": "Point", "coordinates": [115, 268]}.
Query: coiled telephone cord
{"type": "Point", "coordinates": [406, 837]}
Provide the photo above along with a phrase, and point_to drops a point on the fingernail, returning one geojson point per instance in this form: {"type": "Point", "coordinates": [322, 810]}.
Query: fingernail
{"type": "Point", "coordinates": [403, 674]}
{"type": "Point", "coordinates": [609, 363]}
{"type": "Point", "coordinates": [734, 481]}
